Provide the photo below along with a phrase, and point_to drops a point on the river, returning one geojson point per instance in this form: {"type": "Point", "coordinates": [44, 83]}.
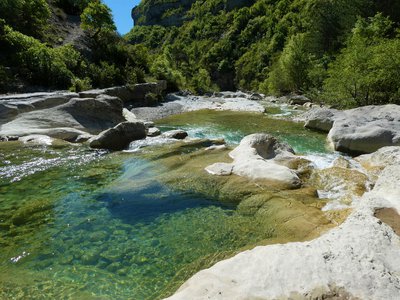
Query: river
{"type": "Point", "coordinates": [82, 224]}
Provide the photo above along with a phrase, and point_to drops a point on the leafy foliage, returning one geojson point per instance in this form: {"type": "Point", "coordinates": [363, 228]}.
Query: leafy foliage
{"type": "Point", "coordinates": [40, 64]}
{"type": "Point", "coordinates": [74, 7]}
{"type": "Point", "coordinates": [367, 71]}
{"type": "Point", "coordinates": [102, 58]}
{"type": "Point", "coordinates": [27, 16]}
{"type": "Point", "coordinates": [274, 46]}
{"type": "Point", "coordinates": [97, 17]}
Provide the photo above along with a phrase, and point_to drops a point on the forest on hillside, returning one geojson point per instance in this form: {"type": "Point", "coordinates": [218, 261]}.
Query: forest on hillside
{"type": "Point", "coordinates": [346, 53]}
{"type": "Point", "coordinates": [64, 44]}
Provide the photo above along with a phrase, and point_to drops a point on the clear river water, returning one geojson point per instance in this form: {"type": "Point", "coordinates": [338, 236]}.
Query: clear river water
{"type": "Point", "coordinates": [82, 224]}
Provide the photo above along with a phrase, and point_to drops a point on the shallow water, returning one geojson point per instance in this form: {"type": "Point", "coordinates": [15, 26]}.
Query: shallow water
{"type": "Point", "coordinates": [233, 126]}
{"type": "Point", "coordinates": [83, 224]}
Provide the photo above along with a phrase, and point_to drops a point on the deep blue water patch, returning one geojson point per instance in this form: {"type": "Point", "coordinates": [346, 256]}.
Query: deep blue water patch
{"type": "Point", "coordinates": [150, 202]}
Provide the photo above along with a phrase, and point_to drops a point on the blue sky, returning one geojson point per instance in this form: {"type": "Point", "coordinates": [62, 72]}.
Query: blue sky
{"type": "Point", "coordinates": [122, 13]}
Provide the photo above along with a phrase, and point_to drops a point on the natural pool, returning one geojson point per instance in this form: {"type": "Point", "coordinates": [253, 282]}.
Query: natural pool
{"type": "Point", "coordinates": [83, 224]}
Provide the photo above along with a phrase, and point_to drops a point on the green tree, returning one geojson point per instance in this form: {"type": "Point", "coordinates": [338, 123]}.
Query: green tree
{"type": "Point", "coordinates": [367, 71]}
{"type": "Point", "coordinates": [290, 72]}
{"type": "Point", "coordinates": [97, 17]}
{"type": "Point", "coordinates": [27, 16]}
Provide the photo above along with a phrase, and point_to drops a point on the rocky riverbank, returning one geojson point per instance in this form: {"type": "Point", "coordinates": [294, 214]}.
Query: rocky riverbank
{"type": "Point", "coordinates": [359, 130]}
{"type": "Point", "coordinates": [90, 115]}
{"type": "Point", "coordinates": [181, 102]}
{"type": "Point", "coordinates": [360, 259]}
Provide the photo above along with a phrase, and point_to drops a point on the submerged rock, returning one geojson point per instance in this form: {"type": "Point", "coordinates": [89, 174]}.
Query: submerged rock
{"type": "Point", "coordinates": [175, 134]}
{"type": "Point", "coordinates": [33, 211]}
{"type": "Point", "coordinates": [260, 156]}
{"type": "Point", "coordinates": [119, 137]}
{"type": "Point", "coordinates": [339, 184]}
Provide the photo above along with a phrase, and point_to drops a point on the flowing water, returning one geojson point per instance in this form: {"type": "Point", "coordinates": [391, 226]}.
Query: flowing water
{"type": "Point", "coordinates": [82, 224]}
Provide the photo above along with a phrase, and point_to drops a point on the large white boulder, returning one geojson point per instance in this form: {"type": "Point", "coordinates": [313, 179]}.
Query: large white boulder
{"type": "Point", "coordinates": [260, 157]}
{"type": "Point", "coordinates": [359, 130]}
{"type": "Point", "coordinates": [69, 120]}
{"type": "Point", "coordinates": [11, 106]}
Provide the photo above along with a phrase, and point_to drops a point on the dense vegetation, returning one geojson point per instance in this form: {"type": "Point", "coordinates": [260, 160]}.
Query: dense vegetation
{"type": "Point", "coordinates": [35, 52]}
{"type": "Point", "coordinates": [343, 52]}
{"type": "Point", "coordinates": [338, 51]}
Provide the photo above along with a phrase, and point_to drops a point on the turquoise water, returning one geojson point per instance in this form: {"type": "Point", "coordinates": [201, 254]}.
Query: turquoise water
{"type": "Point", "coordinates": [83, 224]}
{"type": "Point", "coordinates": [233, 126]}
{"type": "Point", "coordinates": [106, 229]}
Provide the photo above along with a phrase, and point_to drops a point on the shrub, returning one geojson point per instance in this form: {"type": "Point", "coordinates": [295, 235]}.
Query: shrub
{"type": "Point", "coordinates": [79, 85]}
{"type": "Point", "coordinates": [290, 72]}
{"type": "Point", "coordinates": [38, 63]}
{"type": "Point", "coordinates": [27, 16]}
{"type": "Point", "coordinates": [105, 75]}
{"type": "Point", "coordinates": [5, 79]}
{"type": "Point", "coordinates": [201, 82]}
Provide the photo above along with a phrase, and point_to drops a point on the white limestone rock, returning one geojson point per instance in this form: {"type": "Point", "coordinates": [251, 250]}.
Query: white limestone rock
{"type": "Point", "coordinates": [68, 121]}
{"type": "Point", "coordinates": [220, 169]}
{"type": "Point", "coordinates": [361, 258]}
{"type": "Point", "coordinates": [153, 131]}
{"type": "Point", "coordinates": [321, 119]}
{"type": "Point", "coordinates": [260, 157]}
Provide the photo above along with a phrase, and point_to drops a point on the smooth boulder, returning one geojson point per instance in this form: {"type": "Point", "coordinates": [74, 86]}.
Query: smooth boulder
{"type": "Point", "coordinates": [128, 93]}
{"type": "Point", "coordinates": [321, 119]}
{"type": "Point", "coordinates": [366, 129]}
{"type": "Point", "coordinates": [359, 130]}
{"type": "Point", "coordinates": [153, 131]}
{"type": "Point", "coordinates": [260, 157]}
{"type": "Point", "coordinates": [68, 121]}
{"type": "Point", "coordinates": [13, 105]}
{"type": "Point", "coordinates": [119, 137]}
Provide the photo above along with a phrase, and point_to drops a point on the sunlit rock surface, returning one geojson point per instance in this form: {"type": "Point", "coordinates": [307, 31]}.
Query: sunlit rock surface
{"type": "Point", "coordinates": [360, 259]}
{"type": "Point", "coordinates": [260, 156]}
